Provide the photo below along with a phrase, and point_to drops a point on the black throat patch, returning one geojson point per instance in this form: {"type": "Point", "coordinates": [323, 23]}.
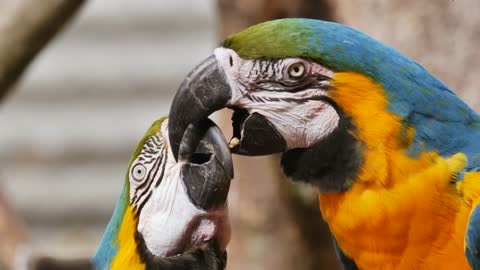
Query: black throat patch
{"type": "Point", "coordinates": [332, 164]}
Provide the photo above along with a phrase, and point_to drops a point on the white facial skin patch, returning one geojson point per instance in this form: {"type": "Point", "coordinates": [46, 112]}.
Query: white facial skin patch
{"type": "Point", "coordinates": [288, 92]}
{"type": "Point", "coordinates": [166, 216]}
{"type": "Point", "coordinates": [167, 213]}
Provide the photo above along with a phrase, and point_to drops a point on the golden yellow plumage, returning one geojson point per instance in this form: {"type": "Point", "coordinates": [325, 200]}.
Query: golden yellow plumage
{"type": "Point", "coordinates": [401, 212]}
{"type": "Point", "coordinates": [127, 256]}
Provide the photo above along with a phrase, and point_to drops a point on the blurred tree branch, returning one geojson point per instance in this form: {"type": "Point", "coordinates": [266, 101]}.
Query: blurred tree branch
{"type": "Point", "coordinates": [26, 26]}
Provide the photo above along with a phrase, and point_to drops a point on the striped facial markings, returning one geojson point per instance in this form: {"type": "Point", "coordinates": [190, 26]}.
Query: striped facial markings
{"type": "Point", "coordinates": [291, 93]}
{"type": "Point", "coordinates": [147, 170]}
{"type": "Point", "coordinates": [282, 80]}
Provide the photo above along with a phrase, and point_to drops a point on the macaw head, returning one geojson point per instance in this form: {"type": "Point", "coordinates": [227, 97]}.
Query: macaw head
{"type": "Point", "coordinates": [170, 206]}
{"type": "Point", "coordinates": [323, 94]}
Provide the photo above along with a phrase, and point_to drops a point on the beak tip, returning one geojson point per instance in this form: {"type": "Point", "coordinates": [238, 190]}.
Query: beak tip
{"type": "Point", "coordinates": [227, 164]}
{"type": "Point", "coordinates": [175, 153]}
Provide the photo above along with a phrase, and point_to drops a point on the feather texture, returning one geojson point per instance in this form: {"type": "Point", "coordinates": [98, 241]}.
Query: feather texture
{"type": "Point", "coordinates": [443, 121]}
{"type": "Point", "coordinates": [413, 201]}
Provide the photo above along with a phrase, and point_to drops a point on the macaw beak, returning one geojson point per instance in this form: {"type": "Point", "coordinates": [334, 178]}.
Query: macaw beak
{"type": "Point", "coordinates": [207, 169]}
{"type": "Point", "coordinates": [205, 90]}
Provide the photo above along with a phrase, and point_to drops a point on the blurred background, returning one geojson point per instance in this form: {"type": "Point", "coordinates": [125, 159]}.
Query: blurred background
{"type": "Point", "coordinates": [69, 125]}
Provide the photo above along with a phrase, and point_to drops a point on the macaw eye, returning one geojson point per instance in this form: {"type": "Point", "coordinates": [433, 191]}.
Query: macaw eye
{"type": "Point", "coordinates": [296, 70]}
{"type": "Point", "coordinates": [138, 172]}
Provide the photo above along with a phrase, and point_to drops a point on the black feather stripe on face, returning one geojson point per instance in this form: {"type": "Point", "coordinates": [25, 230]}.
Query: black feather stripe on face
{"type": "Point", "coordinates": [145, 186]}
{"type": "Point", "coordinates": [154, 151]}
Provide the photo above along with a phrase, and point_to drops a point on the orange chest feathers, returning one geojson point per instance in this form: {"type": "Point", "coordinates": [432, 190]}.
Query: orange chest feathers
{"type": "Point", "coordinates": [400, 212]}
{"type": "Point", "coordinates": [417, 222]}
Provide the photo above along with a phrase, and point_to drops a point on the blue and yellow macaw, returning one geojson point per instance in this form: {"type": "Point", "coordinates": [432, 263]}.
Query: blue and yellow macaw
{"type": "Point", "coordinates": [394, 152]}
{"type": "Point", "coordinates": [171, 215]}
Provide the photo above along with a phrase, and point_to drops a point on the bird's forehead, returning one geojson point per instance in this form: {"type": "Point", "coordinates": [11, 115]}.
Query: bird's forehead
{"type": "Point", "coordinates": [335, 46]}
{"type": "Point", "coordinates": [155, 128]}
{"type": "Point", "coordinates": [153, 145]}
{"type": "Point", "coordinates": [273, 39]}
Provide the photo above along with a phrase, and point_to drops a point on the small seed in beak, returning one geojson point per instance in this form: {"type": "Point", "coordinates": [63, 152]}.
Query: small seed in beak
{"type": "Point", "coordinates": [233, 142]}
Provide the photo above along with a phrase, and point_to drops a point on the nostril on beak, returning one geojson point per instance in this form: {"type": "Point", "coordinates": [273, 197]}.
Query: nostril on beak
{"type": "Point", "coordinates": [200, 158]}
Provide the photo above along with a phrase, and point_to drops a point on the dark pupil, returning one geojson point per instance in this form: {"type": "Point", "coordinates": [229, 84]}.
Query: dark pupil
{"type": "Point", "coordinates": [296, 69]}
{"type": "Point", "coordinates": [139, 171]}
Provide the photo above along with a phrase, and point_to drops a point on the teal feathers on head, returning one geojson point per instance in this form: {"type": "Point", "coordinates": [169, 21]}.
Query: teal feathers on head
{"type": "Point", "coordinates": [169, 208]}
{"type": "Point", "coordinates": [343, 49]}
{"type": "Point", "coordinates": [421, 100]}
{"type": "Point", "coordinates": [109, 246]}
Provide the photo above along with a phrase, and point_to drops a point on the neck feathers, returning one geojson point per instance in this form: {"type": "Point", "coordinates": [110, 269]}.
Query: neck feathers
{"type": "Point", "coordinates": [118, 249]}
{"type": "Point", "coordinates": [371, 138]}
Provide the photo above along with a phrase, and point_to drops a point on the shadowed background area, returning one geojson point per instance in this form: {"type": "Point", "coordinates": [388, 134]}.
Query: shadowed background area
{"type": "Point", "coordinates": [68, 128]}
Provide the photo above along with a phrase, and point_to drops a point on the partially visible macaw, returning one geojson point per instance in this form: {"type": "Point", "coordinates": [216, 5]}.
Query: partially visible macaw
{"type": "Point", "coordinates": [171, 215]}
{"type": "Point", "coordinates": [394, 152]}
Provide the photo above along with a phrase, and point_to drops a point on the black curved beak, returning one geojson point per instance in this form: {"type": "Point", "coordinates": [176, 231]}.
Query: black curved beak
{"type": "Point", "coordinates": [208, 167]}
{"type": "Point", "coordinates": [205, 90]}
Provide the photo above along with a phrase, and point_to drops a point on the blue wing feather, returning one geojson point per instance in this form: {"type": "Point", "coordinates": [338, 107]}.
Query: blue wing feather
{"type": "Point", "coordinates": [346, 262]}
{"type": "Point", "coordinates": [442, 121]}
{"type": "Point", "coordinates": [472, 239]}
